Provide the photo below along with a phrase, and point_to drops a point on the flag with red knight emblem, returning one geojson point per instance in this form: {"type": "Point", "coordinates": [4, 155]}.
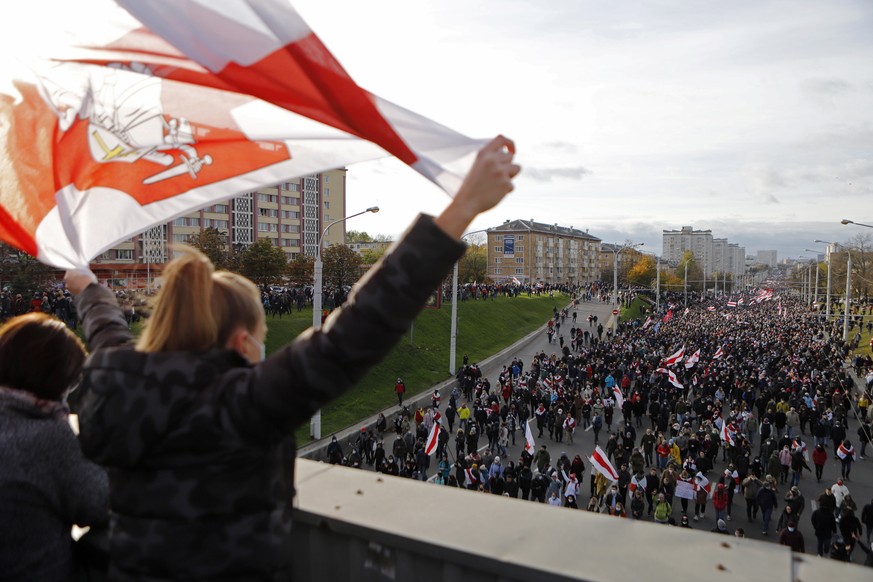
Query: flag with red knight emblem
{"type": "Point", "coordinates": [138, 112]}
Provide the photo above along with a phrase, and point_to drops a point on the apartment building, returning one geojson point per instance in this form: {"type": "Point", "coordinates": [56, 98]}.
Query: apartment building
{"type": "Point", "coordinates": [714, 255]}
{"type": "Point", "coordinates": [291, 215]}
{"type": "Point", "coordinates": [531, 251]}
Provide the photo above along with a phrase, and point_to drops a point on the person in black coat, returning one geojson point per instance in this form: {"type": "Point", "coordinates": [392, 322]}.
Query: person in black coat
{"type": "Point", "coordinates": [825, 526]}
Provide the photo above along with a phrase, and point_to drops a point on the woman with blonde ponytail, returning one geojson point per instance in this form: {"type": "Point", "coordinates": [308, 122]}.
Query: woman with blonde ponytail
{"type": "Point", "coordinates": [197, 427]}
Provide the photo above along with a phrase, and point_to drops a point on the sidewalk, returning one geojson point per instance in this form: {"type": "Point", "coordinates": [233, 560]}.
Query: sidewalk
{"type": "Point", "coordinates": [491, 367]}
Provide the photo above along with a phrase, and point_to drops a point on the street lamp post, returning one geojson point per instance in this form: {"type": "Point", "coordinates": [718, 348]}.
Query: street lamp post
{"type": "Point", "coordinates": [315, 421]}
{"type": "Point", "coordinates": [828, 298]}
{"type": "Point", "coordinates": [615, 254]}
{"type": "Point", "coordinates": [815, 295]}
{"type": "Point", "coordinates": [848, 299]}
{"type": "Point", "coordinates": [453, 338]}
{"type": "Point", "coordinates": [658, 284]}
{"type": "Point", "coordinates": [847, 221]}
{"type": "Point", "coordinates": [685, 285]}
{"type": "Point", "coordinates": [846, 309]}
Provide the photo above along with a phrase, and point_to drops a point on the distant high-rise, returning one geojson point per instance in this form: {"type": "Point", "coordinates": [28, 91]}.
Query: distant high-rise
{"type": "Point", "coordinates": [714, 255]}
{"type": "Point", "coordinates": [767, 258]}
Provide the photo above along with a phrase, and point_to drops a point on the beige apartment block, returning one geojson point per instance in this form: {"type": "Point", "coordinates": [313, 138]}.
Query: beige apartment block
{"type": "Point", "coordinates": [530, 251]}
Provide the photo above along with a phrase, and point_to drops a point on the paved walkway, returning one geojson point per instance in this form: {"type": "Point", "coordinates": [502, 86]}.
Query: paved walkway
{"type": "Point", "coordinates": [525, 349]}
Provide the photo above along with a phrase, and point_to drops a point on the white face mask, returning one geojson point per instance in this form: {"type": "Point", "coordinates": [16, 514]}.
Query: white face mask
{"type": "Point", "coordinates": [262, 348]}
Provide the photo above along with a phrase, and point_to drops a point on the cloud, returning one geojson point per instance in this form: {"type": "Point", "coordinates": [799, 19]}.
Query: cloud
{"type": "Point", "coordinates": [825, 91]}
{"type": "Point", "coordinates": [549, 174]}
{"type": "Point", "coordinates": [770, 199]}
{"type": "Point", "coordinates": [560, 146]}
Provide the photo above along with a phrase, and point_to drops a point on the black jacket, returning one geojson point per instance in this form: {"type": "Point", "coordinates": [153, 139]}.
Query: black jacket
{"type": "Point", "coordinates": [200, 446]}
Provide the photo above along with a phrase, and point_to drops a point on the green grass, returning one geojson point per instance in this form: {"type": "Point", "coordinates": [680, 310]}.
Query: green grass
{"type": "Point", "coordinates": [484, 327]}
{"type": "Point", "coordinates": [635, 311]}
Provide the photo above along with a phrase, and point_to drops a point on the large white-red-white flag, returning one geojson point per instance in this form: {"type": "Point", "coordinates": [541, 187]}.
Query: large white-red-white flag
{"type": "Point", "coordinates": [719, 353]}
{"type": "Point", "coordinates": [118, 117]}
{"type": "Point", "coordinates": [600, 463]}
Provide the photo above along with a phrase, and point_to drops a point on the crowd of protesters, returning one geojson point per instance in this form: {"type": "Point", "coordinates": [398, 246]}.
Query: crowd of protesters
{"type": "Point", "coordinates": [768, 399]}
{"type": "Point", "coordinates": [57, 302]}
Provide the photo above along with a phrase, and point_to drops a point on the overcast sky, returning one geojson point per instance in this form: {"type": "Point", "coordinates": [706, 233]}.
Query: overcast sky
{"type": "Point", "coordinates": [750, 118]}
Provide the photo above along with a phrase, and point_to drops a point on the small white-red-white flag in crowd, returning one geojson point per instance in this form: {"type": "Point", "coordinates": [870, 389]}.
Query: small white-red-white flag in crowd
{"type": "Point", "coordinates": [731, 303]}
{"type": "Point", "coordinates": [516, 281]}
{"type": "Point", "coordinates": [648, 322]}
{"type": "Point", "coordinates": [433, 439]}
{"type": "Point", "coordinates": [619, 397]}
{"type": "Point", "coordinates": [634, 483]}
{"type": "Point", "coordinates": [529, 444]}
{"type": "Point", "coordinates": [799, 445]}
{"type": "Point", "coordinates": [600, 463]}
{"type": "Point", "coordinates": [726, 436]}
{"type": "Point", "coordinates": [687, 309]}
{"type": "Point", "coordinates": [671, 377]}
{"type": "Point", "coordinates": [701, 482]}
{"type": "Point", "coordinates": [719, 353]}
{"type": "Point", "coordinates": [711, 308]}
{"type": "Point", "coordinates": [138, 112]}
{"type": "Point", "coordinates": [693, 359]}
{"type": "Point", "coordinates": [843, 452]}
{"type": "Point", "coordinates": [675, 358]}
{"type": "Point", "coordinates": [470, 477]}
{"type": "Point", "coordinates": [740, 301]}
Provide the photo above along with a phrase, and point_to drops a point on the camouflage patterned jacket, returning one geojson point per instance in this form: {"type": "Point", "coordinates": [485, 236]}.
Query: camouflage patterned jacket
{"type": "Point", "coordinates": [200, 446]}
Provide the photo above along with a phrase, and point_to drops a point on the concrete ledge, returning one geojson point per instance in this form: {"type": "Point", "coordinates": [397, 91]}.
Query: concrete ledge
{"type": "Point", "coordinates": [359, 525]}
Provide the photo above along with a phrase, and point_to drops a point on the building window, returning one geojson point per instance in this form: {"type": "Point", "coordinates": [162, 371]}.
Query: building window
{"type": "Point", "coordinates": [267, 197]}
{"type": "Point", "coordinates": [498, 237]}
{"type": "Point", "coordinates": [292, 187]}
{"type": "Point", "coordinates": [326, 179]}
{"type": "Point", "coordinates": [327, 191]}
{"type": "Point", "coordinates": [327, 204]}
{"type": "Point", "coordinates": [498, 249]}
{"type": "Point", "coordinates": [519, 271]}
{"type": "Point", "coordinates": [498, 260]}
{"type": "Point", "coordinates": [519, 260]}
{"type": "Point", "coordinates": [519, 237]}
{"type": "Point", "coordinates": [124, 254]}
{"type": "Point", "coordinates": [290, 214]}
{"type": "Point", "coordinates": [498, 271]}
